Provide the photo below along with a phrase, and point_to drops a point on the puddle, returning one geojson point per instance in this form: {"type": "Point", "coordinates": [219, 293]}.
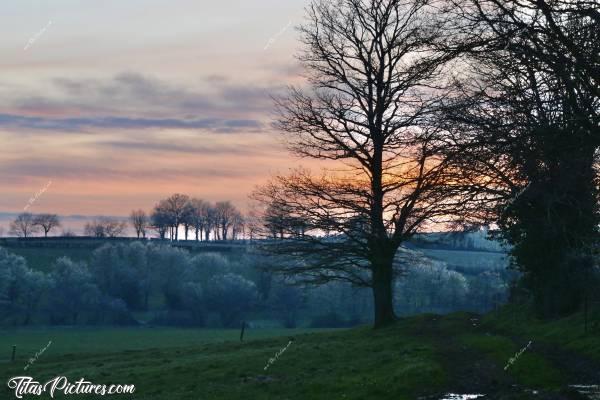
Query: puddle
{"type": "Point", "coordinates": [591, 391]}
{"type": "Point", "coordinates": [454, 396]}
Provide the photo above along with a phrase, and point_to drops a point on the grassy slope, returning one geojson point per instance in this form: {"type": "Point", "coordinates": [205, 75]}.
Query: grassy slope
{"type": "Point", "coordinates": [568, 333]}
{"type": "Point", "coordinates": [42, 259]}
{"type": "Point", "coordinates": [419, 356]}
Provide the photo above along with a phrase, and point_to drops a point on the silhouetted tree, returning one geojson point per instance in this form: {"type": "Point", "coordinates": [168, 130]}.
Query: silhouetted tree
{"type": "Point", "coordinates": [47, 222]}
{"type": "Point", "coordinates": [525, 117]}
{"type": "Point", "coordinates": [371, 67]}
{"type": "Point", "coordinates": [105, 227]}
{"type": "Point", "coordinates": [224, 216]}
{"type": "Point", "coordinates": [237, 225]}
{"type": "Point", "coordinates": [24, 225]}
{"type": "Point", "coordinates": [176, 207]}
{"type": "Point", "coordinates": [199, 217]}
{"type": "Point", "coordinates": [139, 221]}
{"type": "Point", "coordinates": [160, 220]}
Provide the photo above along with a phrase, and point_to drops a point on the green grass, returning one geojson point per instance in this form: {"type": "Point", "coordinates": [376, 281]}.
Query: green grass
{"type": "Point", "coordinates": [105, 340]}
{"type": "Point", "coordinates": [354, 364]}
{"type": "Point", "coordinates": [473, 260]}
{"type": "Point", "coordinates": [568, 333]}
{"type": "Point", "coordinates": [418, 356]}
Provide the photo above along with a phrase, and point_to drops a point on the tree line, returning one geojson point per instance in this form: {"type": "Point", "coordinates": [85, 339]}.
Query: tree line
{"type": "Point", "coordinates": [163, 285]}
{"type": "Point", "coordinates": [206, 221]}
{"type": "Point", "coordinates": [219, 221]}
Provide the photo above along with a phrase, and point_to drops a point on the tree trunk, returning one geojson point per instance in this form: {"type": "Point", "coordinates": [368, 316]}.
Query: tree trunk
{"type": "Point", "coordinates": [383, 293]}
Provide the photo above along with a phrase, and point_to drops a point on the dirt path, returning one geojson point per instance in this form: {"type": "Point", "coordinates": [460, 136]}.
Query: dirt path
{"type": "Point", "coordinates": [471, 372]}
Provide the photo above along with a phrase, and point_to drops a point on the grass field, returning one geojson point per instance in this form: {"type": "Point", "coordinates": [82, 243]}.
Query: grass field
{"type": "Point", "coordinates": [105, 340]}
{"type": "Point", "coordinates": [42, 259]}
{"type": "Point", "coordinates": [420, 357]}
{"type": "Point", "coordinates": [469, 260]}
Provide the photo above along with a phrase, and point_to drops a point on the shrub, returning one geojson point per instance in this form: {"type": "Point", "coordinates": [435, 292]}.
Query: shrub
{"type": "Point", "coordinates": [231, 296]}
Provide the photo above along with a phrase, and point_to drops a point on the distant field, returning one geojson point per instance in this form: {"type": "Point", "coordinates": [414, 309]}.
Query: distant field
{"type": "Point", "coordinates": [41, 258]}
{"type": "Point", "coordinates": [41, 253]}
{"type": "Point", "coordinates": [83, 340]}
{"type": "Point", "coordinates": [475, 260]}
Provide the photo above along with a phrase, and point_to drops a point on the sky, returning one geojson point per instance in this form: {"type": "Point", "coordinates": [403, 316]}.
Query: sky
{"type": "Point", "coordinates": [108, 106]}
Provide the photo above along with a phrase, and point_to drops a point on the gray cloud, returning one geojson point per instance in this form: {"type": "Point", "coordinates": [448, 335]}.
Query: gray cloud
{"type": "Point", "coordinates": [131, 100]}
{"type": "Point", "coordinates": [16, 171]}
{"type": "Point", "coordinates": [80, 124]}
{"type": "Point", "coordinates": [188, 147]}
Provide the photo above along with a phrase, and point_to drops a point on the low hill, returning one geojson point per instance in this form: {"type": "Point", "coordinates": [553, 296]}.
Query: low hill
{"type": "Point", "coordinates": [41, 253]}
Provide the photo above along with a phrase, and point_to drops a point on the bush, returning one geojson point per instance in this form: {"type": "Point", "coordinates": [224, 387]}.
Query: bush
{"type": "Point", "coordinates": [231, 296]}
{"type": "Point", "coordinates": [21, 289]}
{"type": "Point", "coordinates": [72, 292]}
{"type": "Point", "coordinates": [286, 302]}
{"type": "Point", "coordinates": [118, 271]}
{"type": "Point", "coordinates": [194, 303]}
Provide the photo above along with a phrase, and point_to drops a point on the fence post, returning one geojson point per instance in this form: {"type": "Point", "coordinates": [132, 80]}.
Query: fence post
{"type": "Point", "coordinates": [242, 332]}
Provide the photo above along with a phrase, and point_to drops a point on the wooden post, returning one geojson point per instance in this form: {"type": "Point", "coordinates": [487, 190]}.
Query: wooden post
{"type": "Point", "coordinates": [14, 353]}
{"type": "Point", "coordinates": [242, 332]}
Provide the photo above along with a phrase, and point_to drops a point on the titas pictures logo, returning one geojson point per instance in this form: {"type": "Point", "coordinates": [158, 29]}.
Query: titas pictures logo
{"type": "Point", "coordinates": [26, 385]}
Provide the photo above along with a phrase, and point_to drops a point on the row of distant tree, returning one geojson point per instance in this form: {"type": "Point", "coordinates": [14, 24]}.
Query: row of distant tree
{"type": "Point", "coordinates": [28, 224]}
{"type": "Point", "coordinates": [219, 221]}
{"type": "Point", "coordinates": [207, 221]}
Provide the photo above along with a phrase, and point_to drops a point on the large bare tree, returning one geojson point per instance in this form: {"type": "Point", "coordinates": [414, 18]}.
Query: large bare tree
{"type": "Point", "coordinates": [371, 67]}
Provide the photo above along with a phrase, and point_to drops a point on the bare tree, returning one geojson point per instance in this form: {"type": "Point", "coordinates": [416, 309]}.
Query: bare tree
{"type": "Point", "coordinates": [238, 225]}
{"type": "Point", "coordinates": [187, 218]}
{"type": "Point", "coordinates": [160, 220]}
{"type": "Point", "coordinates": [115, 228]}
{"type": "Point", "coordinates": [176, 205]}
{"type": "Point", "coordinates": [47, 222]}
{"type": "Point", "coordinates": [225, 213]}
{"type": "Point", "coordinates": [24, 225]}
{"type": "Point", "coordinates": [211, 222]}
{"type": "Point", "coordinates": [199, 217]}
{"type": "Point", "coordinates": [254, 221]}
{"type": "Point", "coordinates": [139, 221]}
{"type": "Point", "coordinates": [550, 31]}
{"type": "Point", "coordinates": [105, 227]}
{"type": "Point", "coordinates": [372, 68]}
